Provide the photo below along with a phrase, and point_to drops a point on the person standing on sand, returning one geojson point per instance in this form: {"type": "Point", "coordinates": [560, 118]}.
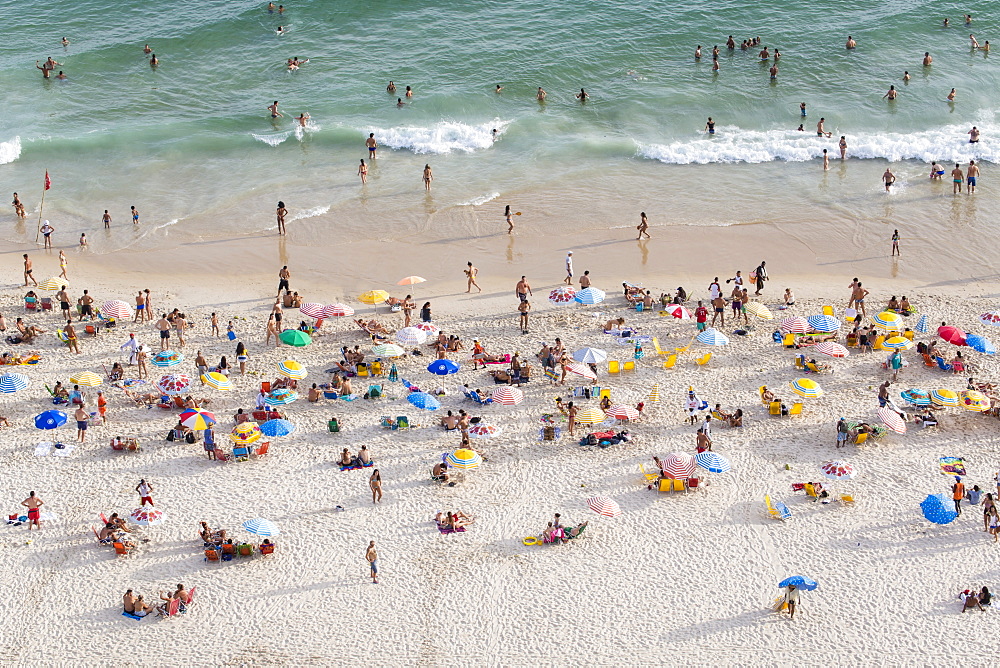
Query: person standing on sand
{"type": "Point", "coordinates": [510, 219]}
{"type": "Point", "coordinates": [428, 176]}
{"type": "Point", "coordinates": [523, 309]}
{"type": "Point", "coordinates": [957, 494]}
{"type": "Point", "coordinates": [372, 557]}
{"type": "Point", "coordinates": [33, 504]}
{"type": "Point", "coordinates": [145, 491]}
{"type": "Point", "coordinates": [858, 295]}
{"type": "Point", "coordinates": [81, 423]}
{"type": "Point", "coordinates": [281, 212]}
{"type": "Point", "coordinates": [363, 171]}
{"type": "Point", "coordinates": [895, 243]}
{"type": "Point", "coordinates": [971, 175]}
{"type": "Point", "coordinates": [761, 275]}
{"type": "Point", "coordinates": [888, 178]}
{"type": "Point", "coordinates": [72, 340]}
{"type": "Point", "coordinates": [164, 326]}
{"type": "Point", "coordinates": [643, 226]}
{"type": "Point", "coordinates": [792, 599]}
{"type": "Point", "coordinates": [957, 177]}
{"type": "Point", "coordinates": [63, 263]}
{"type": "Point", "coordinates": [372, 145]}
{"type": "Point", "coordinates": [27, 271]}
{"type": "Point", "coordinates": [47, 231]}
{"type": "Point", "coordinates": [283, 276]}
{"type": "Point", "coordinates": [375, 482]}
{"type": "Point", "coordinates": [523, 290]}
{"type": "Point", "coordinates": [407, 307]}
{"type": "Point", "coordinates": [471, 274]}
{"type": "Point", "coordinates": [569, 268]}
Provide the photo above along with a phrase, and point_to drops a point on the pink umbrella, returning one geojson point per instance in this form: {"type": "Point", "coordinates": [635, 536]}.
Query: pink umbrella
{"type": "Point", "coordinates": [427, 327]}
{"type": "Point", "coordinates": [507, 396]}
{"type": "Point", "coordinates": [678, 465]}
{"type": "Point", "coordinates": [891, 419]}
{"type": "Point", "coordinates": [622, 412]}
{"type": "Point", "coordinates": [678, 311]}
{"type": "Point", "coordinates": [837, 470]}
{"type": "Point", "coordinates": [581, 370]}
{"type": "Point", "coordinates": [832, 349]}
{"type": "Point", "coordinates": [952, 335]}
{"type": "Point", "coordinates": [796, 325]}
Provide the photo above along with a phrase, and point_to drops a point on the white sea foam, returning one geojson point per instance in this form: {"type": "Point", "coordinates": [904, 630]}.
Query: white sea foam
{"type": "Point", "coordinates": [272, 140]}
{"type": "Point", "coordinates": [482, 199]}
{"type": "Point", "coordinates": [732, 145]}
{"type": "Point", "coordinates": [10, 150]}
{"type": "Point", "coordinates": [442, 137]}
{"type": "Point", "coordinates": [309, 213]}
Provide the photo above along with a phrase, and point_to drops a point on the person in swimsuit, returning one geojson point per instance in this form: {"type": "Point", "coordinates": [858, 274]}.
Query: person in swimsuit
{"type": "Point", "coordinates": [643, 226]}
{"type": "Point", "coordinates": [363, 171]}
{"type": "Point", "coordinates": [18, 207]}
{"type": "Point", "coordinates": [973, 139]}
{"type": "Point", "coordinates": [153, 60]}
{"type": "Point", "coordinates": [135, 216]}
{"type": "Point", "coordinates": [47, 231]}
{"type": "Point", "coordinates": [428, 176]}
{"type": "Point", "coordinates": [843, 147]}
{"type": "Point", "coordinates": [957, 178]}
{"type": "Point", "coordinates": [375, 482]}
{"type": "Point", "coordinates": [28, 270]}
{"type": "Point", "coordinates": [81, 423]}
{"type": "Point", "coordinates": [372, 145]}
{"type": "Point", "coordinates": [274, 110]}
{"type": "Point", "coordinates": [888, 178]}
{"type": "Point", "coordinates": [541, 95]}
{"type": "Point", "coordinates": [710, 126]}
{"type": "Point", "coordinates": [510, 219]}
{"type": "Point", "coordinates": [106, 219]}
{"type": "Point", "coordinates": [391, 88]}
{"type": "Point", "coordinates": [33, 504]}
{"type": "Point", "coordinates": [821, 129]}
{"type": "Point", "coordinates": [971, 174]}
{"type": "Point", "coordinates": [280, 214]}
{"type": "Point", "coordinates": [891, 94]}
{"type": "Point", "coordinates": [895, 243]}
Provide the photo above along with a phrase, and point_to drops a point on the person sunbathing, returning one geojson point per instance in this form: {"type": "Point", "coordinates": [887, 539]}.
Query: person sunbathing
{"type": "Point", "coordinates": [767, 395]}
{"type": "Point", "coordinates": [549, 534]}
{"type": "Point", "coordinates": [364, 458]}
{"type": "Point", "coordinates": [346, 459]}
{"type": "Point", "coordinates": [493, 358]}
{"type": "Point", "coordinates": [605, 403]}
{"type": "Point", "coordinates": [614, 325]}
{"type": "Point", "coordinates": [117, 372]}
{"type": "Point", "coordinates": [455, 344]}
{"type": "Point", "coordinates": [905, 308]}
{"type": "Point", "coordinates": [927, 419]}
{"type": "Point", "coordinates": [141, 608]}
{"type": "Point", "coordinates": [893, 304]}
{"type": "Point", "coordinates": [720, 414]}
{"type": "Point", "coordinates": [819, 366]}
{"type": "Point", "coordinates": [449, 422]}
{"type": "Point", "coordinates": [440, 472]}
{"type": "Point", "coordinates": [573, 532]}
{"type": "Point", "coordinates": [60, 391]}
{"type": "Point", "coordinates": [206, 533]}
{"type": "Point", "coordinates": [970, 601]}
{"type": "Point", "coordinates": [28, 332]}
{"type": "Point", "coordinates": [958, 363]}
{"type": "Point", "coordinates": [813, 339]}
{"type": "Point", "coordinates": [500, 377]}
{"type": "Point", "coordinates": [107, 534]}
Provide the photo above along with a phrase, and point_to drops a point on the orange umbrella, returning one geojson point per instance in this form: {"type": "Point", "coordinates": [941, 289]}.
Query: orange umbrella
{"type": "Point", "coordinates": [410, 280]}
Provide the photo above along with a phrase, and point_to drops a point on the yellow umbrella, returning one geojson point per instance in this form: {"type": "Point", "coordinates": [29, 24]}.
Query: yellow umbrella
{"type": "Point", "coordinates": [246, 433]}
{"type": "Point", "coordinates": [590, 416]}
{"type": "Point", "coordinates": [291, 369]}
{"type": "Point", "coordinates": [758, 310]}
{"type": "Point", "coordinates": [973, 400]}
{"type": "Point", "coordinates": [53, 284]}
{"type": "Point", "coordinates": [217, 381]}
{"type": "Point", "coordinates": [88, 378]}
{"type": "Point", "coordinates": [654, 394]}
{"type": "Point", "coordinates": [898, 343]}
{"type": "Point", "coordinates": [806, 387]}
{"type": "Point", "coordinates": [373, 297]}
{"type": "Point", "coordinates": [945, 397]}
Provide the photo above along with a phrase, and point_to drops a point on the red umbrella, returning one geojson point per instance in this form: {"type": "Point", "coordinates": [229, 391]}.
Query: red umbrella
{"type": "Point", "coordinates": [952, 335]}
{"type": "Point", "coordinates": [678, 465]}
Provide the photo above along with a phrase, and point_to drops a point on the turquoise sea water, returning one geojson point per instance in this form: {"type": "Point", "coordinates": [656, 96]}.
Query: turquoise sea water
{"type": "Point", "coordinates": [191, 144]}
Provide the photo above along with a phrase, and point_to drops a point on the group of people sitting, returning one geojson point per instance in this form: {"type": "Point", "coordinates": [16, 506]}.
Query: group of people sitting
{"type": "Point", "coordinates": [27, 358]}
{"type": "Point", "coordinates": [445, 344]}
{"type": "Point", "coordinates": [136, 605]}
{"type": "Point", "coordinates": [224, 547]}
{"type": "Point", "coordinates": [363, 457]}
{"type": "Point", "coordinates": [453, 520]}
{"type": "Point", "coordinates": [519, 373]}
{"type": "Point", "coordinates": [972, 599]}
{"type": "Point", "coordinates": [900, 306]}
{"type": "Point", "coordinates": [932, 357]}
{"type": "Point", "coordinates": [555, 532]}
{"type": "Point", "coordinates": [116, 530]}
{"type": "Point", "coordinates": [734, 419]}
{"type": "Point", "coordinates": [291, 299]}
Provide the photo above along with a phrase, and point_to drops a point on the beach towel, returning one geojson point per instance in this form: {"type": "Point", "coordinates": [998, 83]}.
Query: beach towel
{"type": "Point", "coordinates": [952, 466]}
{"type": "Point", "coordinates": [352, 467]}
{"type": "Point", "coordinates": [446, 530]}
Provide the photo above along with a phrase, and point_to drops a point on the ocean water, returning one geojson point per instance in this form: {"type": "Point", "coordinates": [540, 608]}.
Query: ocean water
{"type": "Point", "coordinates": [191, 144]}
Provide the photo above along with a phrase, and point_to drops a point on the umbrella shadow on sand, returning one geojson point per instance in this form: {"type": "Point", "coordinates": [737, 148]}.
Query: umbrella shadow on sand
{"type": "Point", "coordinates": [700, 631]}
{"type": "Point", "coordinates": [906, 539]}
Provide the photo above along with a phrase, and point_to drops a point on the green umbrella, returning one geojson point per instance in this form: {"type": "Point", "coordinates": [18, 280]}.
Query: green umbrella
{"type": "Point", "coordinates": [294, 337]}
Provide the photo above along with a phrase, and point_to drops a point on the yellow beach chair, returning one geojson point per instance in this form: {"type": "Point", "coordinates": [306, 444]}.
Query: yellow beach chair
{"type": "Point", "coordinates": [779, 512]}
{"type": "Point", "coordinates": [658, 349]}
{"type": "Point", "coordinates": [670, 361]}
{"type": "Point", "coordinates": [650, 477]}
{"type": "Point", "coordinates": [703, 360]}
{"type": "Point", "coordinates": [789, 340]}
{"type": "Point", "coordinates": [628, 366]}
{"type": "Point", "coordinates": [775, 408]}
{"type": "Point", "coordinates": [796, 408]}
{"type": "Point", "coordinates": [861, 438]}
{"type": "Point", "coordinates": [828, 310]}
{"type": "Point", "coordinates": [614, 366]}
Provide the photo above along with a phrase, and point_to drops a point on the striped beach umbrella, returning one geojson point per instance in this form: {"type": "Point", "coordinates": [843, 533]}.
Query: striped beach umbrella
{"type": "Point", "coordinates": [654, 394]}
{"type": "Point", "coordinates": [312, 310]}
{"type": "Point", "coordinates": [590, 355]}
{"type": "Point", "coordinates": [337, 310]}
{"type": "Point", "coordinates": [53, 284]}
{"type": "Point", "coordinates": [823, 323]}
{"type": "Point", "coordinates": [923, 324]}
{"type": "Point", "coordinates": [952, 335]}
{"type": "Point", "coordinates": [411, 336]}
{"type": "Point", "coordinates": [276, 428]}
{"type": "Point", "coordinates": [217, 381]}
{"type": "Point", "coordinates": [261, 527]}
{"type": "Point", "coordinates": [838, 470]}
{"type": "Point", "coordinates": [86, 378]}
{"type": "Point", "coordinates": [147, 516]}
{"type": "Point", "coordinates": [944, 397]}
{"type": "Point", "coordinates": [166, 358]}
{"type": "Point", "coordinates": [623, 412]}
{"type": "Point", "coordinates": [898, 343]}
{"type": "Point", "coordinates": [794, 325]}
{"type": "Point", "coordinates": [831, 349]}
{"type": "Point", "coordinates": [581, 370]}
{"type": "Point", "coordinates": [980, 344]}
{"type": "Point", "coordinates": [712, 337]}
{"type": "Point", "coordinates": [246, 433]}
{"type": "Point", "coordinates": [291, 369]}
{"type": "Point", "coordinates": [117, 309]}
{"type": "Point", "coordinates": [443, 367]}
{"type": "Point", "coordinates": [50, 419]}
{"type": "Point", "coordinates": [483, 430]}
{"type": "Point", "coordinates": [806, 387]}
{"type": "Point", "coordinates": [281, 397]}
{"type": "Point", "coordinates": [678, 311]}
{"type": "Point", "coordinates": [589, 296]}
{"type": "Point", "coordinates": [678, 465]}
{"type": "Point", "coordinates": [605, 506]}
{"type": "Point", "coordinates": [713, 462]}
{"type": "Point", "coordinates": [758, 310]}
{"type": "Point", "coordinates": [430, 328]}
{"type": "Point", "coordinates": [174, 383]}
{"type": "Point", "coordinates": [13, 382]}
{"type": "Point", "coordinates": [507, 396]}
{"type": "Point", "coordinates": [464, 459]}
{"type": "Point", "coordinates": [916, 396]}
{"type": "Point", "coordinates": [423, 400]}
{"type": "Point", "coordinates": [562, 295]}
{"type": "Point", "coordinates": [197, 419]}
{"type": "Point", "coordinates": [973, 400]}
{"type": "Point", "coordinates": [388, 350]}
{"type": "Point", "coordinates": [891, 419]}
{"type": "Point", "coordinates": [590, 416]}
{"type": "Point", "coordinates": [373, 297]}
{"type": "Point", "coordinates": [887, 320]}
{"type": "Point", "coordinates": [295, 337]}
{"type": "Point", "coordinates": [991, 318]}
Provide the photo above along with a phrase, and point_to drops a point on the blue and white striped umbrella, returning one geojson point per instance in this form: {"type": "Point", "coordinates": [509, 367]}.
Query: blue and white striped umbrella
{"type": "Point", "coordinates": [713, 461]}
{"type": "Point", "coordinates": [975, 341]}
{"type": "Point", "coordinates": [167, 358]}
{"type": "Point", "coordinates": [823, 323]}
{"type": "Point", "coordinates": [281, 397]}
{"type": "Point", "coordinates": [713, 337]}
{"type": "Point", "coordinates": [589, 296]}
{"type": "Point", "coordinates": [277, 428]}
{"type": "Point", "coordinates": [424, 401]}
{"type": "Point", "coordinates": [923, 325]}
{"type": "Point", "coordinates": [590, 355]}
{"type": "Point", "coordinates": [13, 382]}
{"type": "Point", "coordinates": [443, 367]}
{"type": "Point", "coordinates": [261, 527]}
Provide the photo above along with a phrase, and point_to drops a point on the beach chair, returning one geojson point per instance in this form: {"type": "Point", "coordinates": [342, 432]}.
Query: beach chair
{"type": "Point", "coordinates": [614, 366]}
{"type": "Point", "coordinates": [703, 360]}
{"type": "Point", "coordinates": [670, 361]}
{"type": "Point", "coordinates": [374, 392]}
{"type": "Point", "coordinates": [228, 551]}
{"type": "Point", "coordinates": [362, 370]}
{"type": "Point", "coordinates": [658, 349]}
{"type": "Point", "coordinates": [666, 485]}
{"type": "Point", "coordinates": [942, 365]}
{"type": "Point", "coordinates": [850, 314]}
{"type": "Point", "coordinates": [212, 554]}
{"type": "Point", "coordinates": [265, 387]}
{"type": "Point", "coordinates": [333, 426]}
{"type": "Point", "coordinates": [852, 340]}
{"type": "Point", "coordinates": [259, 416]}
{"type": "Point", "coordinates": [376, 368]}
{"type": "Point", "coordinates": [760, 393]}
{"type": "Point", "coordinates": [811, 491]}
{"type": "Point", "coordinates": [828, 310]}
{"type": "Point", "coordinates": [879, 340]}
{"type": "Point", "coordinates": [861, 438]}
{"type": "Point", "coordinates": [629, 366]}
{"type": "Point", "coordinates": [774, 408]}
{"type": "Point", "coordinates": [46, 303]}
{"type": "Point", "coordinates": [266, 549]}
{"type": "Point", "coordinates": [123, 551]}
{"type": "Point", "coordinates": [244, 550]}
{"type": "Point", "coordinates": [650, 477]}
{"type": "Point", "coordinates": [789, 340]}
{"type": "Point", "coordinates": [682, 350]}
{"type": "Point", "coordinates": [811, 366]}
{"type": "Point", "coordinates": [908, 334]}
{"type": "Point", "coordinates": [692, 483]}
{"type": "Point", "coordinates": [402, 422]}
{"type": "Point", "coordinates": [30, 304]}
{"type": "Point", "coordinates": [172, 608]}
{"type": "Point", "coordinates": [262, 449]}
{"type": "Point", "coordinates": [778, 511]}
{"type": "Point", "coordinates": [800, 362]}
{"type": "Point", "coordinates": [796, 408]}
{"type": "Point", "coordinates": [928, 361]}
{"type": "Point", "coordinates": [188, 603]}
{"type": "Point", "coordinates": [221, 455]}
{"type": "Point", "coordinates": [846, 499]}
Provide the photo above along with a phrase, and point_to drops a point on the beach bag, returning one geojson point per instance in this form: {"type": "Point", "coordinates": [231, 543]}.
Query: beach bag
{"type": "Point", "coordinates": [190, 438]}
{"type": "Point", "coordinates": [753, 276]}
{"type": "Point", "coordinates": [170, 435]}
{"type": "Point", "coordinates": [231, 334]}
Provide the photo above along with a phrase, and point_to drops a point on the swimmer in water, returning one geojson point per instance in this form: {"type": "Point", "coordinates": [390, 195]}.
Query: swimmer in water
{"type": "Point", "coordinates": [409, 92]}
{"type": "Point", "coordinates": [391, 88]}
{"type": "Point", "coordinates": [927, 58]}
{"type": "Point", "coordinates": [60, 75]}
{"type": "Point", "coordinates": [951, 95]}
{"type": "Point", "coordinates": [65, 42]}
{"type": "Point", "coordinates": [292, 65]}
{"type": "Point", "coordinates": [888, 178]}
{"type": "Point", "coordinates": [498, 88]}
{"type": "Point", "coordinates": [851, 43]}
{"type": "Point", "coordinates": [710, 126]}
{"type": "Point", "coordinates": [968, 19]}
{"type": "Point", "coordinates": [363, 171]}
{"type": "Point", "coordinates": [147, 49]}
{"type": "Point", "coordinates": [582, 95]}
{"type": "Point", "coordinates": [972, 41]}
{"type": "Point", "coordinates": [372, 145]}
{"type": "Point", "coordinates": [274, 110]}
{"type": "Point", "coordinates": [730, 43]}
{"type": "Point", "coordinates": [936, 171]}
{"type": "Point", "coordinates": [906, 75]}
{"type": "Point", "coordinates": [774, 71]}
{"type": "Point", "coordinates": [303, 118]}
{"type": "Point", "coordinates": [280, 30]}
{"type": "Point", "coordinates": [281, 9]}
{"type": "Point", "coordinates": [821, 129]}
{"type": "Point", "coordinates": [891, 94]}
{"type": "Point", "coordinates": [697, 53]}
{"type": "Point", "coordinates": [495, 133]}
{"type": "Point", "coordinates": [153, 61]}
{"type": "Point", "coordinates": [541, 95]}
{"type": "Point", "coordinates": [399, 102]}
{"type": "Point", "coordinates": [802, 109]}
{"type": "Point", "coordinates": [843, 147]}
{"type": "Point", "coordinates": [715, 63]}
{"type": "Point", "coordinates": [270, 7]}
{"type": "Point", "coordinates": [764, 54]}
{"type": "Point", "coordinates": [801, 127]}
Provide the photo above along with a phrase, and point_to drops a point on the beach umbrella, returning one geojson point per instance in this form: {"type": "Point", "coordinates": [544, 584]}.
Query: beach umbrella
{"type": "Point", "coordinates": [312, 310]}
{"type": "Point", "coordinates": [887, 320]}
{"type": "Point", "coordinates": [891, 419]}
{"type": "Point", "coordinates": [13, 382]}
{"type": "Point", "coordinates": [411, 280]}
{"type": "Point", "coordinates": [923, 324]}
{"type": "Point", "coordinates": [831, 349]}
{"type": "Point", "coordinates": [393, 373]}
{"type": "Point", "coordinates": [197, 419]}
{"type": "Point", "coordinates": [952, 334]}
{"type": "Point", "coordinates": [217, 381]}
{"type": "Point", "coordinates": [411, 336]}
{"type": "Point", "coordinates": [281, 397]}
{"type": "Point", "coordinates": [938, 508]}
{"type": "Point", "coordinates": [507, 396]}
{"type": "Point", "coordinates": [973, 400]}
{"type": "Point", "coordinates": [483, 430]}
{"type": "Point", "coordinates": [590, 355]}
{"type": "Point", "coordinates": [173, 383]}
{"type": "Point", "coordinates": [337, 310]}
{"type": "Point", "coordinates": [944, 397]}
{"type": "Point", "coordinates": [916, 396]}
{"type": "Point", "coordinates": [799, 582]}
{"type": "Point", "coordinates": [166, 358]}
{"type": "Point", "coordinates": [86, 378]}
{"type": "Point", "coordinates": [50, 419]}
{"type": "Point", "coordinates": [278, 427]}
{"type": "Point", "coordinates": [838, 470]}
{"type": "Point", "coordinates": [443, 367]}
{"type": "Point", "coordinates": [117, 309]}
{"type": "Point", "coordinates": [464, 459]}
{"type": "Point", "coordinates": [713, 337]}
{"type": "Point", "coordinates": [562, 295]}
{"type": "Point", "coordinates": [146, 516]}
{"type": "Point", "coordinates": [823, 323]}
{"type": "Point", "coordinates": [678, 465]}
{"type": "Point", "coordinates": [806, 387]}
{"type": "Point", "coordinates": [713, 462]}
{"type": "Point", "coordinates": [53, 284]}
{"type": "Point", "coordinates": [590, 416]}
{"type": "Point", "coordinates": [898, 343]}
{"type": "Point", "coordinates": [291, 369]}
{"type": "Point", "coordinates": [388, 350]}
{"type": "Point", "coordinates": [980, 344]}
{"type": "Point", "coordinates": [605, 506]}
{"type": "Point", "coordinates": [623, 412]}
{"type": "Point", "coordinates": [430, 328]}
{"type": "Point", "coordinates": [654, 394]}
{"type": "Point", "coordinates": [589, 296]}
{"type": "Point", "coordinates": [295, 337]}
{"type": "Point", "coordinates": [758, 310]}
{"type": "Point", "coordinates": [423, 400]}
{"type": "Point", "coordinates": [794, 325]}
{"type": "Point", "coordinates": [581, 370]}
{"type": "Point", "coordinates": [678, 311]}
{"type": "Point", "coordinates": [246, 433]}
{"type": "Point", "coordinates": [373, 297]}
{"type": "Point", "coordinates": [991, 318]}
{"type": "Point", "coordinates": [261, 527]}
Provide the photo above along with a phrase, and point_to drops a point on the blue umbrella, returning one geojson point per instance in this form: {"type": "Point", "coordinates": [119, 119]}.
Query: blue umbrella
{"type": "Point", "coordinates": [13, 382]}
{"type": "Point", "coordinates": [923, 325]}
{"type": "Point", "coordinates": [261, 527]}
{"type": "Point", "coordinates": [589, 296]}
{"type": "Point", "coordinates": [443, 367]}
{"type": "Point", "coordinates": [975, 341]}
{"type": "Point", "coordinates": [713, 337]}
{"type": "Point", "coordinates": [800, 582]}
{"type": "Point", "coordinates": [277, 428]}
{"type": "Point", "coordinates": [713, 462]}
{"type": "Point", "coordinates": [823, 323]}
{"type": "Point", "coordinates": [423, 400]}
{"type": "Point", "coordinates": [393, 373]}
{"type": "Point", "coordinates": [50, 419]}
{"type": "Point", "coordinates": [938, 508]}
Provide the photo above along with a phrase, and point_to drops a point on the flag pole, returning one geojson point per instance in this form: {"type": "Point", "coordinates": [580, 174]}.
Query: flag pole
{"type": "Point", "coordinates": [41, 205]}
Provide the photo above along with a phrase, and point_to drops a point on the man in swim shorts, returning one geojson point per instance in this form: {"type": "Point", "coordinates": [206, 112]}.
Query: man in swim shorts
{"type": "Point", "coordinates": [164, 326]}
{"type": "Point", "coordinates": [971, 175]}
{"type": "Point", "coordinates": [33, 504]}
{"type": "Point", "coordinates": [973, 135]}
{"type": "Point", "coordinates": [135, 216]}
{"type": "Point", "coordinates": [86, 305]}
{"type": "Point", "coordinates": [372, 145]}
{"type": "Point", "coordinates": [274, 110]}
{"type": "Point", "coordinates": [283, 277]}
{"type": "Point", "coordinates": [957, 177]}
{"type": "Point", "coordinates": [888, 178]}
{"type": "Point", "coordinates": [28, 270]}
{"type": "Point", "coordinates": [81, 423]}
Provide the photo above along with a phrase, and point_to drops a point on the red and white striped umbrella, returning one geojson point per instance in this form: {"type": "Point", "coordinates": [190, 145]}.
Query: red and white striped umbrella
{"type": "Point", "coordinates": [116, 309]}
{"type": "Point", "coordinates": [337, 311]}
{"type": "Point", "coordinates": [797, 325]}
{"type": "Point", "coordinates": [581, 370]}
{"type": "Point", "coordinates": [317, 311]}
{"type": "Point", "coordinates": [832, 349]}
{"type": "Point", "coordinates": [563, 295]}
{"type": "Point", "coordinates": [678, 465]}
{"type": "Point", "coordinates": [507, 396]}
{"type": "Point", "coordinates": [623, 412]}
{"type": "Point", "coordinates": [678, 311]}
{"type": "Point", "coordinates": [837, 470]}
{"type": "Point", "coordinates": [891, 419]}
{"type": "Point", "coordinates": [603, 505]}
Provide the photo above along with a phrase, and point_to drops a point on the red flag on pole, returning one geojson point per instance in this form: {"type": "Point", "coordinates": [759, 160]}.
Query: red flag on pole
{"type": "Point", "coordinates": [48, 181]}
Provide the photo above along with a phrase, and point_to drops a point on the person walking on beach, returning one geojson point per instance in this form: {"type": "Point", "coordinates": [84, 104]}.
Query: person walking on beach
{"type": "Point", "coordinates": [510, 219]}
{"type": "Point", "coordinates": [957, 177]}
{"type": "Point", "coordinates": [372, 145]}
{"type": "Point", "coordinates": [895, 243]}
{"type": "Point", "coordinates": [643, 226]}
{"type": "Point", "coordinates": [375, 483]}
{"type": "Point", "coordinates": [569, 268]}
{"type": "Point", "coordinates": [63, 263]}
{"type": "Point", "coordinates": [971, 174]}
{"type": "Point", "coordinates": [145, 491]}
{"type": "Point", "coordinates": [283, 276]}
{"type": "Point", "coordinates": [34, 505]}
{"type": "Point", "coordinates": [407, 307]}
{"type": "Point", "coordinates": [363, 171]}
{"type": "Point", "coordinates": [471, 274]}
{"type": "Point", "coordinates": [888, 178]}
{"type": "Point", "coordinates": [957, 494]}
{"type": "Point", "coordinates": [761, 276]}
{"type": "Point", "coordinates": [372, 557]}
{"type": "Point", "coordinates": [523, 309]}
{"type": "Point", "coordinates": [523, 290]}
{"type": "Point", "coordinates": [281, 212]}
{"type": "Point", "coordinates": [28, 270]}
{"type": "Point", "coordinates": [427, 177]}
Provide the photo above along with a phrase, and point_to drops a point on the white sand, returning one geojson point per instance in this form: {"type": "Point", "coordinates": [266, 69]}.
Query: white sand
{"type": "Point", "coordinates": [684, 578]}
